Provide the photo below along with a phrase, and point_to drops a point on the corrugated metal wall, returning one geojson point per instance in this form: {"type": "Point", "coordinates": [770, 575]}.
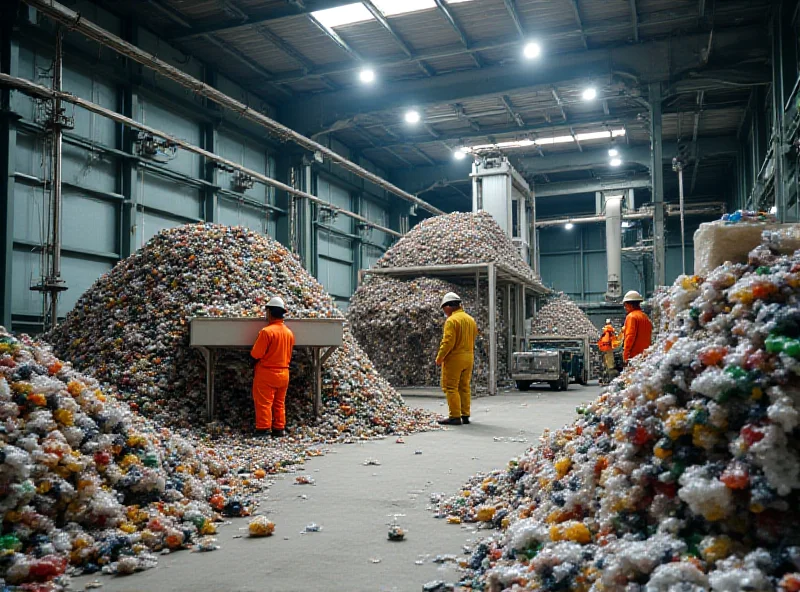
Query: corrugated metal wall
{"type": "Point", "coordinates": [114, 201]}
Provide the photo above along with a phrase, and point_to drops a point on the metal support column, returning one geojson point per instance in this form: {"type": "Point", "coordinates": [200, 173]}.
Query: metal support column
{"type": "Point", "coordinates": [657, 178]}
{"type": "Point", "coordinates": [128, 186]}
{"type": "Point", "coordinates": [307, 239]}
{"type": "Point", "coordinates": [778, 95]}
{"type": "Point", "coordinates": [509, 329]}
{"type": "Point", "coordinates": [9, 58]}
{"type": "Point", "coordinates": [492, 271]}
{"type": "Point", "coordinates": [356, 202]}
{"type": "Point", "coordinates": [210, 172]}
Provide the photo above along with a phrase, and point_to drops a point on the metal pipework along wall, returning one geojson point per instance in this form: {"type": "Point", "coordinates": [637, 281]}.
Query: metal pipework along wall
{"type": "Point", "coordinates": [114, 198]}
{"type": "Point", "coordinates": [77, 22]}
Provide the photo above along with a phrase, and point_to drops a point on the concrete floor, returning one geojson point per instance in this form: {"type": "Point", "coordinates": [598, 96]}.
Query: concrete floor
{"type": "Point", "coordinates": [354, 504]}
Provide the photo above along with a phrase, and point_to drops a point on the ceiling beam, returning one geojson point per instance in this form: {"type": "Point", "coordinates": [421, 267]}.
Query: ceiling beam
{"type": "Point", "coordinates": [249, 63]}
{"type": "Point", "coordinates": [635, 20]}
{"type": "Point", "coordinates": [676, 18]}
{"type": "Point", "coordinates": [381, 18]}
{"type": "Point", "coordinates": [292, 52]}
{"type": "Point", "coordinates": [240, 57]}
{"type": "Point", "coordinates": [511, 7]}
{"type": "Point", "coordinates": [445, 11]}
{"type": "Point", "coordinates": [334, 36]}
{"type": "Point", "coordinates": [576, 9]}
{"type": "Point", "coordinates": [590, 186]}
{"type": "Point", "coordinates": [416, 179]}
{"type": "Point", "coordinates": [531, 130]}
{"type": "Point", "coordinates": [283, 11]}
{"type": "Point", "coordinates": [510, 108]}
{"type": "Point", "coordinates": [677, 58]}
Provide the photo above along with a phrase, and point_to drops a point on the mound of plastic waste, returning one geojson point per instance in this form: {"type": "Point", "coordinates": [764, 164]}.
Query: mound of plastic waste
{"type": "Point", "coordinates": [399, 324]}
{"type": "Point", "coordinates": [453, 239]}
{"type": "Point", "coordinates": [86, 484]}
{"type": "Point", "coordinates": [683, 475]}
{"type": "Point", "coordinates": [130, 329]}
{"type": "Point", "coordinates": [561, 316]}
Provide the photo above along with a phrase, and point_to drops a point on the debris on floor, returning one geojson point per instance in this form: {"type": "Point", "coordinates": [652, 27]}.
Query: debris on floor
{"type": "Point", "coordinates": [260, 526]}
{"type": "Point", "coordinates": [683, 475]}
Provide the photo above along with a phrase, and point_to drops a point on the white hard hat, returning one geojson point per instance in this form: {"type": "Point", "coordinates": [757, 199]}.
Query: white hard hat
{"type": "Point", "coordinates": [608, 321]}
{"type": "Point", "coordinates": [450, 297]}
{"type": "Point", "coordinates": [632, 296]}
{"type": "Point", "coordinates": [276, 302]}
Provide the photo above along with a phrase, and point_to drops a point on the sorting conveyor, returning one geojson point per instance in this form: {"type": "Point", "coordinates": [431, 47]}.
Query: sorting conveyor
{"type": "Point", "coordinates": [211, 334]}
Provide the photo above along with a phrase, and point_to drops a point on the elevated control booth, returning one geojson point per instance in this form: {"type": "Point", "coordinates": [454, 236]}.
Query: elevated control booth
{"type": "Point", "coordinates": [211, 334]}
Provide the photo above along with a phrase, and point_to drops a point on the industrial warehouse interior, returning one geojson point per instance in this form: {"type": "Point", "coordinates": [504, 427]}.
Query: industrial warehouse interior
{"type": "Point", "coordinates": [400, 295]}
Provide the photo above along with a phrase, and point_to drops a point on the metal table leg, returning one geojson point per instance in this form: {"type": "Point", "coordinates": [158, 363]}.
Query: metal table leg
{"type": "Point", "coordinates": [210, 357]}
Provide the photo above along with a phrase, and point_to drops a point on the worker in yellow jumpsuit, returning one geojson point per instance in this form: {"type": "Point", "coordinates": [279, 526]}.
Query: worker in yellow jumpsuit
{"type": "Point", "coordinates": [638, 328]}
{"type": "Point", "coordinates": [273, 350]}
{"type": "Point", "coordinates": [456, 357]}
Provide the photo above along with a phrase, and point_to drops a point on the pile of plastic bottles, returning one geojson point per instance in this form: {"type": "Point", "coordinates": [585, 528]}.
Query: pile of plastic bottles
{"type": "Point", "coordinates": [683, 475]}
{"type": "Point", "coordinates": [86, 483]}
{"type": "Point", "coordinates": [453, 239]}
{"type": "Point", "coordinates": [130, 329]}
{"type": "Point", "coordinates": [408, 357]}
{"type": "Point", "coordinates": [561, 316]}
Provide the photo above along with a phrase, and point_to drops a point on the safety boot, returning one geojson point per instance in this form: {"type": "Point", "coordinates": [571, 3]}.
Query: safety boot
{"type": "Point", "coordinates": [450, 421]}
{"type": "Point", "coordinates": [278, 433]}
{"type": "Point", "coordinates": [465, 419]}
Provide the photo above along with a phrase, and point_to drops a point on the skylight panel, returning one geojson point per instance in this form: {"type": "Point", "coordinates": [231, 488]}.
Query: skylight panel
{"type": "Point", "coordinates": [343, 15]}
{"type": "Point", "coordinates": [395, 7]}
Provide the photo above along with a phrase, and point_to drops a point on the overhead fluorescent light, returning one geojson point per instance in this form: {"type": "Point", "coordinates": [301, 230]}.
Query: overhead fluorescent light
{"type": "Point", "coordinates": [343, 15]}
{"type": "Point", "coordinates": [613, 152]}
{"type": "Point", "coordinates": [367, 75]}
{"type": "Point", "coordinates": [618, 132]}
{"type": "Point", "coordinates": [569, 226]}
{"type": "Point", "coordinates": [555, 140]}
{"type": "Point", "coordinates": [615, 162]}
{"type": "Point", "coordinates": [590, 94]}
{"type": "Point", "coordinates": [459, 155]}
{"type": "Point", "coordinates": [593, 136]}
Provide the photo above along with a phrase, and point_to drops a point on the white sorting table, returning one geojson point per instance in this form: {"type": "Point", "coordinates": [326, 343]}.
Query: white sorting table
{"type": "Point", "coordinates": [210, 334]}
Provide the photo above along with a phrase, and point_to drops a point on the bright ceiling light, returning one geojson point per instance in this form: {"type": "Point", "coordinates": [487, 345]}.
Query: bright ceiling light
{"type": "Point", "coordinates": [412, 116]}
{"type": "Point", "coordinates": [569, 226]}
{"type": "Point", "coordinates": [615, 162]}
{"type": "Point", "coordinates": [367, 75]}
{"type": "Point", "coordinates": [590, 94]}
{"type": "Point", "coordinates": [532, 50]}
{"type": "Point", "coordinates": [459, 155]}
{"type": "Point", "coordinates": [465, 149]}
{"type": "Point", "coordinates": [612, 152]}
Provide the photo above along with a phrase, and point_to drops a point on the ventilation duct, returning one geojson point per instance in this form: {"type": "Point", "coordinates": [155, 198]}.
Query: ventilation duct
{"type": "Point", "coordinates": [614, 247]}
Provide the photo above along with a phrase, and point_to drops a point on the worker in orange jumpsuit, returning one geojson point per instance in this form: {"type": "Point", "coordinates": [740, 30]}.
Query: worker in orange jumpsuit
{"type": "Point", "coordinates": [606, 346]}
{"type": "Point", "coordinates": [273, 350]}
{"type": "Point", "coordinates": [638, 330]}
{"type": "Point", "coordinates": [456, 357]}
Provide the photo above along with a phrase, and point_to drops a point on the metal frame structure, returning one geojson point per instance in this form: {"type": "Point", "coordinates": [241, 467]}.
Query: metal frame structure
{"type": "Point", "coordinates": [210, 334]}
{"type": "Point", "coordinates": [496, 275]}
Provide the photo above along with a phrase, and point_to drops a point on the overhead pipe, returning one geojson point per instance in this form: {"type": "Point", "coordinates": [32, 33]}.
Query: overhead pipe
{"type": "Point", "coordinates": [639, 215]}
{"type": "Point", "coordinates": [75, 21]}
{"type": "Point", "coordinates": [614, 247]}
{"type": "Point", "coordinates": [37, 90]}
